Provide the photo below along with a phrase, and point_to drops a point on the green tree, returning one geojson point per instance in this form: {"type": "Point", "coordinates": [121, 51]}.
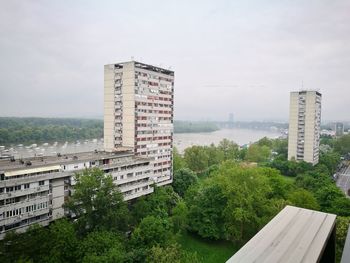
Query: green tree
{"type": "Point", "coordinates": [171, 254]}
{"type": "Point", "coordinates": [258, 153]}
{"type": "Point", "coordinates": [183, 179]}
{"type": "Point", "coordinates": [196, 158]}
{"type": "Point", "coordinates": [63, 242]}
{"type": "Point", "coordinates": [179, 216]}
{"type": "Point", "coordinates": [206, 204]}
{"type": "Point", "coordinates": [20, 247]}
{"type": "Point", "coordinates": [178, 160]}
{"type": "Point", "coordinates": [152, 231]}
{"type": "Point", "coordinates": [265, 142]}
{"type": "Point", "coordinates": [102, 246]}
{"type": "Point", "coordinates": [280, 146]}
{"type": "Point", "coordinates": [342, 144]}
{"type": "Point", "coordinates": [215, 156]}
{"type": "Point", "coordinates": [229, 149]}
{"type": "Point", "coordinates": [249, 200]}
{"type": "Point", "coordinates": [303, 198]}
{"type": "Point", "coordinates": [97, 203]}
{"type": "Point", "coordinates": [159, 204]}
{"type": "Point", "coordinates": [331, 160]}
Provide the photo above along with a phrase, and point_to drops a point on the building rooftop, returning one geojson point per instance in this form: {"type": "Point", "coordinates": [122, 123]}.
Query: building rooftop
{"type": "Point", "coordinates": [294, 235]}
{"type": "Point", "coordinates": [35, 162]}
{"type": "Point", "coordinates": [148, 67]}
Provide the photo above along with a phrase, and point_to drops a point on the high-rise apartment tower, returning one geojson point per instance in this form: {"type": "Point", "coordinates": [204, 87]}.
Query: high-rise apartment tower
{"type": "Point", "coordinates": [138, 113]}
{"type": "Point", "coordinates": [339, 129]}
{"type": "Point", "coordinates": [304, 126]}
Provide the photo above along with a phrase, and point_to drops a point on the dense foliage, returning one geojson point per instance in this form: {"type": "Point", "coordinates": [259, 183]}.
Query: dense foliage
{"type": "Point", "coordinates": [194, 126]}
{"type": "Point", "coordinates": [220, 193]}
{"type": "Point", "coordinates": [97, 203]}
{"type": "Point", "coordinates": [30, 130]}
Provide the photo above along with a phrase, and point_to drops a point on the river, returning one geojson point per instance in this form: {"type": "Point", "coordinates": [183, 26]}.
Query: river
{"type": "Point", "coordinates": [239, 136]}
{"type": "Point", "coordinates": [181, 141]}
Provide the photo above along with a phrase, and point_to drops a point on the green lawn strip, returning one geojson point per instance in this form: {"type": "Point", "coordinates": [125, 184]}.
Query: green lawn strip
{"type": "Point", "coordinates": [289, 178]}
{"type": "Point", "coordinates": [209, 251]}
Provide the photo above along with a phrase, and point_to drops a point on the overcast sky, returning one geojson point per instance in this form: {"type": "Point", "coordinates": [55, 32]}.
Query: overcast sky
{"type": "Point", "coordinates": [242, 57]}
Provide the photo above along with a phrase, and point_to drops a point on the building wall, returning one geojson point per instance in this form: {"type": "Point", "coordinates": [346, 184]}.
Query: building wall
{"type": "Point", "coordinates": [304, 126]}
{"type": "Point", "coordinates": [293, 126]}
{"type": "Point", "coordinates": [109, 120]}
{"type": "Point", "coordinates": [310, 113]}
{"type": "Point", "coordinates": [128, 91]}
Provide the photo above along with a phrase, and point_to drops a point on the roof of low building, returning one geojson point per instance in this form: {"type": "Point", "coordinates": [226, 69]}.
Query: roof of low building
{"type": "Point", "coordinates": [61, 159]}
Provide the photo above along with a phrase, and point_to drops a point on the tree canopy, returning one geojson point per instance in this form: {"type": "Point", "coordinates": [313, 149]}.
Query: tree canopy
{"type": "Point", "coordinates": [97, 202]}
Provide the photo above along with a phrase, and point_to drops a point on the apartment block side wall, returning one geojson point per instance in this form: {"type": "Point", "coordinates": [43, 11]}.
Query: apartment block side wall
{"type": "Point", "coordinates": [128, 91]}
{"type": "Point", "coordinates": [109, 119]}
{"type": "Point", "coordinates": [310, 127]}
{"type": "Point", "coordinates": [293, 126]}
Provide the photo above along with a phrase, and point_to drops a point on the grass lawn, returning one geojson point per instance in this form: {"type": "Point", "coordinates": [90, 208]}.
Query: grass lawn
{"type": "Point", "coordinates": [208, 251]}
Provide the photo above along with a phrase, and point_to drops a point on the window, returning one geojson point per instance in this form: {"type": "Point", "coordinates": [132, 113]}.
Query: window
{"type": "Point", "coordinates": [9, 189]}
{"type": "Point", "coordinates": [26, 186]}
{"type": "Point", "coordinates": [41, 183]}
{"type": "Point", "coordinates": [17, 187]}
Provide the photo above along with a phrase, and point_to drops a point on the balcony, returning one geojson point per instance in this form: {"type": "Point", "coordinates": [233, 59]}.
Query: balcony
{"type": "Point", "coordinates": [124, 189]}
{"type": "Point", "coordinates": [25, 192]}
{"type": "Point", "coordinates": [294, 235]}
{"type": "Point", "coordinates": [134, 195]}
{"type": "Point", "coordinates": [26, 202]}
{"type": "Point", "coordinates": [18, 218]}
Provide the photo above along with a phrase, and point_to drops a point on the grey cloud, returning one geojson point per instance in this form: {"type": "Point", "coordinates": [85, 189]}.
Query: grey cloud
{"type": "Point", "coordinates": [229, 56]}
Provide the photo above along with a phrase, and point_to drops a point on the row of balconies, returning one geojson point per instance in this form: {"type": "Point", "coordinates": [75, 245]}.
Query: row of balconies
{"type": "Point", "coordinates": [124, 189]}
{"type": "Point", "coordinates": [25, 202]}
{"type": "Point", "coordinates": [138, 194]}
{"type": "Point", "coordinates": [15, 219]}
{"type": "Point", "coordinates": [131, 179]}
{"type": "Point", "coordinates": [23, 227]}
{"type": "Point", "coordinates": [24, 192]}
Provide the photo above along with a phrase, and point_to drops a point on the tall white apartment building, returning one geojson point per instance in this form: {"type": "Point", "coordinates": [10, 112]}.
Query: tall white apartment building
{"type": "Point", "coordinates": [304, 126]}
{"type": "Point", "coordinates": [138, 113]}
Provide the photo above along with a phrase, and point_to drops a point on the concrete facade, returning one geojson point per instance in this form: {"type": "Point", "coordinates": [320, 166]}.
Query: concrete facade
{"type": "Point", "coordinates": [304, 126]}
{"type": "Point", "coordinates": [139, 113]}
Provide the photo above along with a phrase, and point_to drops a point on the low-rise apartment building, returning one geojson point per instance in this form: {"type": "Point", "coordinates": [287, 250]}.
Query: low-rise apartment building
{"type": "Point", "coordinates": [33, 190]}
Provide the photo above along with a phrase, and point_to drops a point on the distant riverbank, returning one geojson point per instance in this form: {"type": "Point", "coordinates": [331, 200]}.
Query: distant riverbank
{"type": "Point", "coordinates": [194, 127]}
{"type": "Point", "coordinates": [28, 131]}
{"type": "Point", "coordinates": [239, 136]}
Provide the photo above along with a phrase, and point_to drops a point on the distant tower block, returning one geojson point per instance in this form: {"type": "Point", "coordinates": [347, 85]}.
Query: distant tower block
{"type": "Point", "coordinates": [339, 129]}
{"type": "Point", "coordinates": [304, 126]}
{"type": "Point", "coordinates": [230, 120]}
